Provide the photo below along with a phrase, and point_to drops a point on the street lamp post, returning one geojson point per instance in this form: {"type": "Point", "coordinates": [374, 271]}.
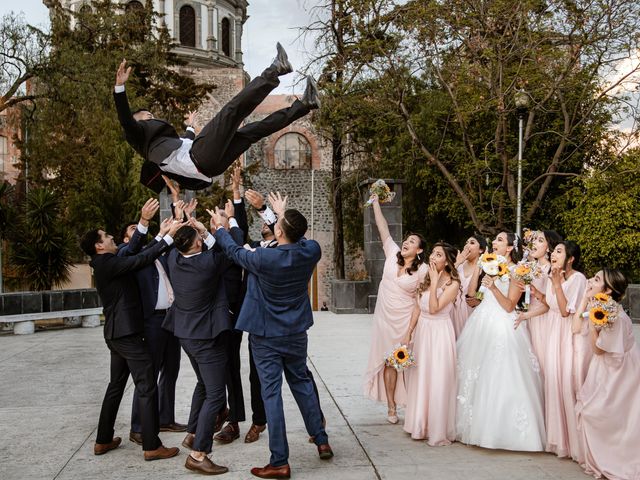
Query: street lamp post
{"type": "Point", "coordinates": [522, 105]}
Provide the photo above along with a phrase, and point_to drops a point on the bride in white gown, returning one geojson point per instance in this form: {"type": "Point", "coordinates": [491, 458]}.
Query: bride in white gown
{"type": "Point", "coordinates": [500, 401]}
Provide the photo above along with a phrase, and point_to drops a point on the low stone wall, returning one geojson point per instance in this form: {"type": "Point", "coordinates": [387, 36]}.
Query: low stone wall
{"type": "Point", "coordinates": [48, 301]}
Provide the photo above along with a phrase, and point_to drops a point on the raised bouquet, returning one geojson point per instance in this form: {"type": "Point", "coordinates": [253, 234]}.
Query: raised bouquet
{"type": "Point", "coordinates": [528, 236]}
{"type": "Point", "coordinates": [602, 312]}
{"type": "Point", "coordinates": [400, 358]}
{"type": "Point", "coordinates": [494, 266]}
{"type": "Point", "coordinates": [382, 190]}
{"type": "Point", "coordinates": [527, 272]}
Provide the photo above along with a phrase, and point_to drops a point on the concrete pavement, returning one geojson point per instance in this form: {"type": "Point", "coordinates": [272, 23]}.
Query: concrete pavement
{"type": "Point", "coordinates": [52, 383]}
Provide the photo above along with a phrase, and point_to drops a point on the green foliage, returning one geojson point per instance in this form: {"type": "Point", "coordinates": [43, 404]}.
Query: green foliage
{"type": "Point", "coordinates": [74, 142]}
{"type": "Point", "coordinates": [603, 217]}
{"type": "Point", "coordinates": [42, 247]}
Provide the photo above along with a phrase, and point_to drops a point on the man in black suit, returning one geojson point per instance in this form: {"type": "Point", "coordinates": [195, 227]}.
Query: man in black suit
{"type": "Point", "coordinates": [194, 160]}
{"type": "Point", "coordinates": [156, 296]}
{"type": "Point", "coordinates": [123, 329]}
{"type": "Point", "coordinates": [200, 318]}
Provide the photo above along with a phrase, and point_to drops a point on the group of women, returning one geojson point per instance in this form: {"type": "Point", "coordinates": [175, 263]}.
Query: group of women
{"type": "Point", "coordinates": [489, 374]}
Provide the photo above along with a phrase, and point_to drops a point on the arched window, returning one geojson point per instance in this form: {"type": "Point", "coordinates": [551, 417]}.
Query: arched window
{"type": "Point", "coordinates": [132, 6]}
{"type": "Point", "coordinates": [188, 26]}
{"type": "Point", "coordinates": [292, 150]}
{"type": "Point", "coordinates": [134, 10]}
{"type": "Point", "coordinates": [225, 35]}
{"type": "Point", "coordinates": [85, 9]}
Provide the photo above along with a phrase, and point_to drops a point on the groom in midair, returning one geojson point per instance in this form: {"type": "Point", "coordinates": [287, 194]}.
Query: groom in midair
{"type": "Point", "coordinates": [193, 160]}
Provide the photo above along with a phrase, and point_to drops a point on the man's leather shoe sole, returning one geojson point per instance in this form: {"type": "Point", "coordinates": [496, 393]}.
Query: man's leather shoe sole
{"type": "Point", "coordinates": [161, 453]}
{"type": "Point", "coordinates": [102, 448]}
{"type": "Point", "coordinates": [173, 427]}
{"type": "Point", "coordinates": [135, 437]}
{"type": "Point", "coordinates": [205, 466]}
{"type": "Point", "coordinates": [272, 472]}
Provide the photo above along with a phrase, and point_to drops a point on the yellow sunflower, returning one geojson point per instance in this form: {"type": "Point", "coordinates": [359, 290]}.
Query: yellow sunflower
{"type": "Point", "coordinates": [598, 316]}
{"type": "Point", "coordinates": [503, 269]}
{"type": "Point", "coordinates": [602, 297]}
{"type": "Point", "coordinates": [523, 270]}
{"type": "Point", "coordinates": [401, 355]}
{"type": "Point", "coordinates": [489, 257]}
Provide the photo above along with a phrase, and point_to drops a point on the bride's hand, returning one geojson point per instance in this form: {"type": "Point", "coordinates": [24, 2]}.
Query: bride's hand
{"type": "Point", "coordinates": [487, 282]}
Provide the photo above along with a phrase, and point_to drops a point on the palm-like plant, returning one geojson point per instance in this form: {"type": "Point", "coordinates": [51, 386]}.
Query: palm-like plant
{"type": "Point", "coordinates": [42, 250]}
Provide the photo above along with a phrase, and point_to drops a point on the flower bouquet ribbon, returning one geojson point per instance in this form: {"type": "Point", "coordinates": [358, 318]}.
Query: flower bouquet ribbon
{"type": "Point", "coordinates": [400, 358]}
{"type": "Point", "coordinates": [494, 266]}
{"type": "Point", "coordinates": [382, 190]}
{"type": "Point", "coordinates": [602, 312]}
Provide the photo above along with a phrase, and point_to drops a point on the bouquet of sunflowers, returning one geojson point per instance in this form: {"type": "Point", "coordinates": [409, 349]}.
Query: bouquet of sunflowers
{"type": "Point", "coordinates": [382, 190]}
{"type": "Point", "coordinates": [526, 272]}
{"type": "Point", "coordinates": [603, 311]}
{"type": "Point", "coordinates": [494, 266]}
{"type": "Point", "coordinates": [400, 358]}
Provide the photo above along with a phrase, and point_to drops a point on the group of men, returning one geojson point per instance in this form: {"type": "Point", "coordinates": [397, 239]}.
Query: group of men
{"type": "Point", "coordinates": [199, 288]}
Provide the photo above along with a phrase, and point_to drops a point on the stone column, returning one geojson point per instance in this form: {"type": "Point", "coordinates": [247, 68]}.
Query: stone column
{"type": "Point", "coordinates": [165, 202]}
{"type": "Point", "coordinates": [238, 36]}
{"type": "Point", "coordinates": [161, 12]}
{"type": "Point", "coordinates": [211, 26]}
{"type": "Point", "coordinates": [373, 253]}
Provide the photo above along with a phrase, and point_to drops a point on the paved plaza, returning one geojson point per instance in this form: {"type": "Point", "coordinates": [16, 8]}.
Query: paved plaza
{"type": "Point", "coordinates": [51, 387]}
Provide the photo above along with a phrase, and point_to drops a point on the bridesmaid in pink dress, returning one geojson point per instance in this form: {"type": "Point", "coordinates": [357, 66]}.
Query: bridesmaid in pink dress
{"type": "Point", "coordinates": [404, 270]}
{"type": "Point", "coordinates": [431, 383]}
{"type": "Point", "coordinates": [564, 291]}
{"type": "Point", "coordinates": [608, 404]}
{"type": "Point", "coordinates": [467, 266]}
{"type": "Point", "coordinates": [544, 242]}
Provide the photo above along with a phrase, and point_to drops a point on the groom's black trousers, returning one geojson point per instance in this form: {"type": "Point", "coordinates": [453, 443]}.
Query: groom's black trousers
{"type": "Point", "coordinates": [221, 141]}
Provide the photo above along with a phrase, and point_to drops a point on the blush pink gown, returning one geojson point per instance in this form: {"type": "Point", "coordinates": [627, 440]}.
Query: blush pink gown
{"type": "Point", "coordinates": [431, 391]}
{"type": "Point", "coordinates": [461, 311]}
{"type": "Point", "coordinates": [394, 305]}
{"type": "Point", "coordinates": [538, 325]}
{"type": "Point", "coordinates": [582, 355]}
{"type": "Point", "coordinates": [609, 405]}
{"type": "Point", "coordinates": [559, 386]}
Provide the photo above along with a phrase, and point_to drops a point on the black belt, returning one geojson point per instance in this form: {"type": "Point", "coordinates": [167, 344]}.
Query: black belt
{"type": "Point", "coordinates": [160, 312]}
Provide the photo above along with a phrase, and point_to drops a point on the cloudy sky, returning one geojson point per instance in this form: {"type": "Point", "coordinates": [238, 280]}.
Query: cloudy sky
{"type": "Point", "coordinates": [269, 21]}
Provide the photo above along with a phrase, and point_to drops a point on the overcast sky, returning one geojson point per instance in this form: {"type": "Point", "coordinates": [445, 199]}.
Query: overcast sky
{"type": "Point", "coordinates": [269, 21]}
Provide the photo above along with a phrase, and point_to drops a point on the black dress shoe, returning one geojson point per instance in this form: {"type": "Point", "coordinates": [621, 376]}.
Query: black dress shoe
{"type": "Point", "coordinates": [173, 427]}
{"type": "Point", "coordinates": [281, 63]}
{"type": "Point", "coordinates": [135, 437]}
{"type": "Point", "coordinates": [311, 97]}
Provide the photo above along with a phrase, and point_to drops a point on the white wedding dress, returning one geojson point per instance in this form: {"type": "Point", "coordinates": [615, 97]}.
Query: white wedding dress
{"type": "Point", "coordinates": [500, 400]}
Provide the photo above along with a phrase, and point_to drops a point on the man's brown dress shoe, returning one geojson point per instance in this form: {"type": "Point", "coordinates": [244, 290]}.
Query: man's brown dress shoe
{"type": "Point", "coordinates": [254, 433]}
{"type": "Point", "coordinates": [325, 451]}
{"type": "Point", "coordinates": [205, 466]}
{"type": "Point", "coordinates": [228, 434]}
{"type": "Point", "coordinates": [220, 419]}
{"type": "Point", "coordinates": [268, 471]}
{"type": "Point", "coordinates": [188, 441]}
{"type": "Point", "coordinates": [161, 453]}
{"type": "Point", "coordinates": [102, 448]}
{"type": "Point", "coordinates": [173, 427]}
{"type": "Point", "coordinates": [135, 437]}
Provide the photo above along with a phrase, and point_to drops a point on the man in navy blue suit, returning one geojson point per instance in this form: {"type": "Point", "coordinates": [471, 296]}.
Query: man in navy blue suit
{"type": "Point", "coordinates": [200, 318]}
{"type": "Point", "coordinates": [277, 314]}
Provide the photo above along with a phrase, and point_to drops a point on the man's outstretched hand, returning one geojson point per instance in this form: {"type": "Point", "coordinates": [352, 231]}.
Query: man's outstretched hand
{"type": "Point", "coordinates": [122, 75]}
